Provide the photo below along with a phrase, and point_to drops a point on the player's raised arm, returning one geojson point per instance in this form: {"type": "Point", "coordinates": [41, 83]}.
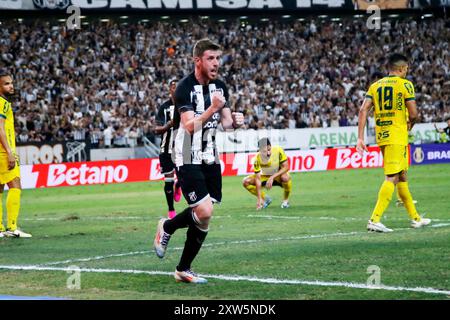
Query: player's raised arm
{"type": "Point", "coordinates": [190, 122]}
{"type": "Point", "coordinates": [362, 118]}
{"type": "Point", "coordinates": [231, 120]}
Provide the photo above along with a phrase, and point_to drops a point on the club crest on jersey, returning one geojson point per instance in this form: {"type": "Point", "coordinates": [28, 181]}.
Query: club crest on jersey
{"type": "Point", "coordinates": [192, 196]}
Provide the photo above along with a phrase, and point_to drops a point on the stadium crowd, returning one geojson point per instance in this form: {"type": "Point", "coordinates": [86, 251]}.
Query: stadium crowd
{"type": "Point", "coordinates": [106, 81]}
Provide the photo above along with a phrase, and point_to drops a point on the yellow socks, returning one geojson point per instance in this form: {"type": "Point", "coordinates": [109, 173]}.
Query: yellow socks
{"type": "Point", "coordinates": [252, 189]}
{"type": "Point", "coordinates": [13, 207]}
{"type": "Point", "coordinates": [2, 228]}
{"type": "Point", "coordinates": [405, 195]}
{"type": "Point", "coordinates": [384, 198]}
{"type": "Point", "coordinates": [287, 187]}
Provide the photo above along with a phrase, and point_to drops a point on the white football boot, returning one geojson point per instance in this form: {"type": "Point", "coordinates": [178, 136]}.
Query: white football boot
{"type": "Point", "coordinates": [161, 239]}
{"type": "Point", "coordinates": [377, 227]}
{"type": "Point", "coordinates": [188, 276]}
{"type": "Point", "coordinates": [285, 204]}
{"type": "Point", "coordinates": [17, 234]}
{"type": "Point", "coordinates": [421, 223]}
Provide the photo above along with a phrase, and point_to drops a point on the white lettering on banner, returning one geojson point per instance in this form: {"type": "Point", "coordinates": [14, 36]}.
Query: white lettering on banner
{"type": "Point", "coordinates": [87, 173]}
{"type": "Point", "coordinates": [90, 4]}
{"type": "Point", "coordinates": [58, 175]}
{"type": "Point", "coordinates": [231, 4]}
{"type": "Point", "coordinates": [303, 162]}
{"type": "Point", "coordinates": [260, 4]}
{"type": "Point", "coordinates": [155, 170]}
{"type": "Point", "coordinates": [246, 140]}
{"type": "Point", "coordinates": [135, 4]}
{"type": "Point", "coordinates": [204, 4]}
{"type": "Point", "coordinates": [348, 158]}
{"type": "Point", "coordinates": [10, 4]}
{"type": "Point", "coordinates": [438, 155]}
{"type": "Point", "coordinates": [44, 154]}
{"type": "Point", "coordinates": [425, 132]}
{"type": "Point", "coordinates": [329, 3]}
{"type": "Point", "coordinates": [172, 4]}
{"type": "Point", "coordinates": [240, 163]}
{"type": "Point", "coordinates": [307, 160]}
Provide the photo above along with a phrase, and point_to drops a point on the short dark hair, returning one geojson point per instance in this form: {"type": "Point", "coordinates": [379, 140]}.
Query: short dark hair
{"type": "Point", "coordinates": [263, 143]}
{"type": "Point", "coordinates": [377, 75]}
{"type": "Point", "coordinates": [395, 60]}
{"type": "Point", "coordinates": [204, 44]}
{"type": "Point", "coordinates": [4, 73]}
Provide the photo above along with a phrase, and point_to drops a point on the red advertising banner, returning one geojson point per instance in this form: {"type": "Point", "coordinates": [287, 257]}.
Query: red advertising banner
{"type": "Point", "coordinates": [233, 164]}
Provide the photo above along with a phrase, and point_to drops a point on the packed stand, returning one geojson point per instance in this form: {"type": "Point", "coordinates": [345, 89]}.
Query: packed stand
{"type": "Point", "coordinates": [104, 83]}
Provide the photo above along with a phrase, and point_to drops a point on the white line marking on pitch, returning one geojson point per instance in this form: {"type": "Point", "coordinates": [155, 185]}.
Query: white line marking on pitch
{"type": "Point", "coordinates": [239, 278]}
{"type": "Point", "coordinates": [385, 219]}
{"type": "Point", "coordinates": [68, 218]}
{"type": "Point", "coordinates": [312, 236]}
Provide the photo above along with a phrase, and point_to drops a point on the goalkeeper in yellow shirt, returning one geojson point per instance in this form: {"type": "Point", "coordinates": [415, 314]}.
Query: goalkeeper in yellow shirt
{"type": "Point", "coordinates": [9, 162]}
{"type": "Point", "coordinates": [271, 168]}
{"type": "Point", "coordinates": [391, 96]}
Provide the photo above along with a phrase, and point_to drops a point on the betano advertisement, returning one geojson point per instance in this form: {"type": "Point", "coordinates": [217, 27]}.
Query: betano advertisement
{"type": "Point", "coordinates": [233, 164]}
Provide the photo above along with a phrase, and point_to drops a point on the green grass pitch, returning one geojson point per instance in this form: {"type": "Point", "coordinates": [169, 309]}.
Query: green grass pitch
{"type": "Point", "coordinates": [321, 238]}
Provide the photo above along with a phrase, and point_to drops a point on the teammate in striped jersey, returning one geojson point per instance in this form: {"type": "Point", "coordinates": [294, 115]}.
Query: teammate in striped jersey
{"type": "Point", "coordinates": [164, 127]}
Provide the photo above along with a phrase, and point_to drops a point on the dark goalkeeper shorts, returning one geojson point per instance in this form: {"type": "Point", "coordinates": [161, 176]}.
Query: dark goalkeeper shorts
{"type": "Point", "coordinates": [165, 163]}
{"type": "Point", "coordinates": [199, 182]}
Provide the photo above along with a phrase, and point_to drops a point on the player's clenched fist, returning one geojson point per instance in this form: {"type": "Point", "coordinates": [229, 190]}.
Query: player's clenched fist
{"type": "Point", "coordinates": [238, 119]}
{"type": "Point", "coordinates": [218, 101]}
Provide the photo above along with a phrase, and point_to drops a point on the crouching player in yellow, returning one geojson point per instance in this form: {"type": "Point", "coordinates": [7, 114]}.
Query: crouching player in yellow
{"type": "Point", "coordinates": [9, 164]}
{"type": "Point", "coordinates": [271, 168]}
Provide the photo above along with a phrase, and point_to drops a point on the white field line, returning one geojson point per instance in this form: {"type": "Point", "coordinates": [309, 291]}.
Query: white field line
{"type": "Point", "coordinates": [68, 218]}
{"type": "Point", "coordinates": [238, 278]}
{"type": "Point", "coordinates": [385, 219]}
{"type": "Point", "coordinates": [206, 245]}
{"type": "Point", "coordinates": [214, 244]}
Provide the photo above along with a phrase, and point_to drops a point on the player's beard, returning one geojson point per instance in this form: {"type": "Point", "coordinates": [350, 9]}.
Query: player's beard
{"type": "Point", "coordinates": [11, 96]}
{"type": "Point", "coordinates": [208, 75]}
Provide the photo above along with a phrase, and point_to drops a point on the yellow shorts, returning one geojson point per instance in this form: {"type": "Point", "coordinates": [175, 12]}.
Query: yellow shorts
{"type": "Point", "coordinates": [6, 175]}
{"type": "Point", "coordinates": [396, 158]}
{"type": "Point", "coordinates": [276, 182]}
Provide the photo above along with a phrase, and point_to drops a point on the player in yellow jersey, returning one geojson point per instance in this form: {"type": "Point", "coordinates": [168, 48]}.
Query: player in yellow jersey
{"type": "Point", "coordinates": [9, 162]}
{"type": "Point", "coordinates": [391, 96]}
{"type": "Point", "coordinates": [271, 168]}
{"type": "Point", "coordinates": [375, 77]}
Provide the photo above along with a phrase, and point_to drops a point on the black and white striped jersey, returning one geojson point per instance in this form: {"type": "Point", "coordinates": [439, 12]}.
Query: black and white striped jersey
{"type": "Point", "coordinates": [201, 145]}
{"type": "Point", "coordinates": [165, 114]}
